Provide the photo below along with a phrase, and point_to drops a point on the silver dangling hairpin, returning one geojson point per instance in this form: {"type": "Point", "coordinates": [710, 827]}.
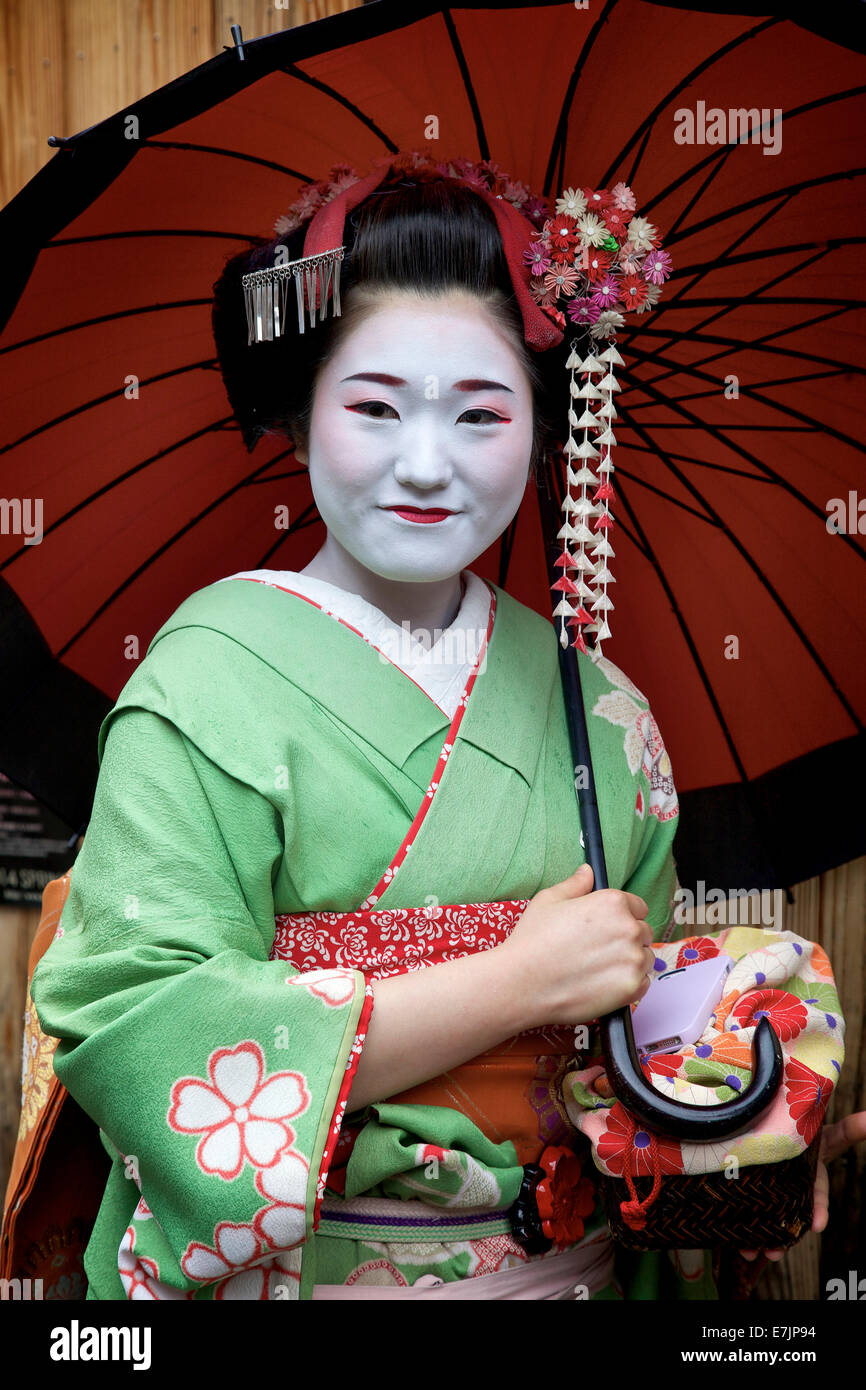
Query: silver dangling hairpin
{"type": "Point", "coordinates": [266, 294]}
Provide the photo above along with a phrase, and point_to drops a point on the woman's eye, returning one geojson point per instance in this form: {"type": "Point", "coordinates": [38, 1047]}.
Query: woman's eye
{"type": "Point", "coordinates": [374, 409]}
{"type": "Point", "coordinates": [492, 417]}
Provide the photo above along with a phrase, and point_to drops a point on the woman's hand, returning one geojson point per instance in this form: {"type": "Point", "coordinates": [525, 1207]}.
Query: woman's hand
{"type": "Point", "coordinates": [578, 955]}
{"type": "Point", "coordinates": [836, 1139]}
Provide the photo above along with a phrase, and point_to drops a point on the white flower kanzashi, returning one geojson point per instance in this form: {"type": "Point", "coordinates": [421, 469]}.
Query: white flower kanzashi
{"type": "Point", "coordinates": [653, 295]}
{"type": "Point", "coordinates": [593, 231]}
{"type": "Point", "coordinates": [572, 203]}
{"type": "Point", "coordinates": [606, 324]}
{"type": "Point", "coordinates": [642, 234]}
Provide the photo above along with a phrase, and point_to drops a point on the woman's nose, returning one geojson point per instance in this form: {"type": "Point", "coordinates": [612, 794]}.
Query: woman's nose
{"type": "Point", "coordinates": [422, 460]}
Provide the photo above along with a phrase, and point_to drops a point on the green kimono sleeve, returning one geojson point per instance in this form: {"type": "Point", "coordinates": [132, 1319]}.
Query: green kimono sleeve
{"type": "Point", "coordinates": [217, 1076]}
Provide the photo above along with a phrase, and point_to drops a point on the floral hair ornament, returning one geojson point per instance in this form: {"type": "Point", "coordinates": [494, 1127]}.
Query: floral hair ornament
{"type": "Point", "coordinates": [591, 263]}
{"type": "Point", "coordinates": [594, 262]}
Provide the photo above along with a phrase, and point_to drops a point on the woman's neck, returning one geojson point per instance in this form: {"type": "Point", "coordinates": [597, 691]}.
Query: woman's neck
{"type": "Point", "coordinates": [423, 606]}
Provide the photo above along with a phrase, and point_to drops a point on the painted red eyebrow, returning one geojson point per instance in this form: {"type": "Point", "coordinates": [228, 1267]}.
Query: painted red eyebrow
{"type": "Point", "coordinates": [471, 384]}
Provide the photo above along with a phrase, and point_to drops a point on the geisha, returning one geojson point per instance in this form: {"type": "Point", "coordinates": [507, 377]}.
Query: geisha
{"type": "Point", "coordinates": [330, 949]}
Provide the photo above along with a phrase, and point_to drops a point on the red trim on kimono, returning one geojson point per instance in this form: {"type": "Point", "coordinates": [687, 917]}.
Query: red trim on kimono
{"type": "Point", "coordinates": [342, 1101]}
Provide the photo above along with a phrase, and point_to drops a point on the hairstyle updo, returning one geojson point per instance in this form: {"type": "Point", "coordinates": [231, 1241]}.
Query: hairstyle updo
{"type": "Point", "coordinates": [424, 237]}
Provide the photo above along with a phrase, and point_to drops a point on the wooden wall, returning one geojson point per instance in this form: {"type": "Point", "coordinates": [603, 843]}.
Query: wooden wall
{"type": "Point", "coordinates": [67, 64]}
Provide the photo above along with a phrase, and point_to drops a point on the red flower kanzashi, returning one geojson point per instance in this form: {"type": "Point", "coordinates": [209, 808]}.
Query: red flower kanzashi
{"type": "Point", "coordinates": [242, 1114]}
{"type": "Point", "coordinates": [563, 1195]}
{"type": "Point", "coordinates": [807, 1097]}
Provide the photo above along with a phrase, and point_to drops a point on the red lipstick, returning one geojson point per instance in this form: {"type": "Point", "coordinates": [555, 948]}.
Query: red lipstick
{"type": "Point", "coordinates": [425, 515]}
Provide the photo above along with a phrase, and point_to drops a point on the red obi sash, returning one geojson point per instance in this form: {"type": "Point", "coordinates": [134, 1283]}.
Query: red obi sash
{"type": "Point", "coordinates": [512, 1091]}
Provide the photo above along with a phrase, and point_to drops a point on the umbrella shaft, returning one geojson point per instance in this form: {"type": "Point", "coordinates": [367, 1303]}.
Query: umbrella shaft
{"type": "Point", "coordinates": [581, 756]}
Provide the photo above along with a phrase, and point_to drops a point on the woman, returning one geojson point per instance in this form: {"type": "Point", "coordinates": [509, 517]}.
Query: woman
{"type": "Point", "coordinates": [330, 939]}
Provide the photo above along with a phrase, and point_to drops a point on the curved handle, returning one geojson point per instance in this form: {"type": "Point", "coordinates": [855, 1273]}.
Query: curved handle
{"type": "Point", "coordinates": [629, 1085]}
{"type": "Point", "coordinates": [694, 1123]}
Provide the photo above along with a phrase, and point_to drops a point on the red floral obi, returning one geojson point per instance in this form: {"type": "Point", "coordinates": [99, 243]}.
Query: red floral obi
{"type": "Point", "coordinates": [511, 1091]}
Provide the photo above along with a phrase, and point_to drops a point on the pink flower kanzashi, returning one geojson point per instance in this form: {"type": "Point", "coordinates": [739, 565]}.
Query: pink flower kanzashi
{"type": "Point", "coordinates": [623, 198]}
{"type": "Point", "coordinates": [561, 280]}
{"type": "Point", "coordinates": [582, 311]}
{"type": "Point", "coordinates": [657, 267]}
{"type": "Point", "coordinates": [606, 293]}
{"type": "Point", "coordinates": [242, 1114]}
{"type": "Point", "coordinates": [537, 258]}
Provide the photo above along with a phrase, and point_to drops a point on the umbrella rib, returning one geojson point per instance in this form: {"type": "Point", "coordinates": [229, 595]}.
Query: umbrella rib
{"type": "Point", "coordinates": [460, 56]}
{"type": "Point", "coordinates": [699, 193]}
{"type": "Point", "coordinates": [560, 134]}
{"type": "Point", "coordinates": [105, 318]}
{"type": "Point", "coordinates": [686, 631]}
{"type": "Point", "coordinates": [762, 578]}
{"type": "Point", "coordinates": [121, 478]}
{"type": "Point", "coordinates": [691, 370]}
{"type": "Point", "coordinates": [749, 257]}
{"type": "Point", "coordinates": [668, 497]}
{"type": "Point", "coordinates": [705, 463]}
{"type": "Point", "coordinates": [758, 201]}
{"type": "Point", "coordinates": [296, 525]}
{"type": "Point", "coordinates": [755, 385]}
{"type": "Point", "coordinates": [154, 231]}
{"type": "Point", "coordinates": [292, 70]}
{"type": "Point", "coordinates": [679, 301]}
{"type": "Point", "coordinates": [130, 579]}
{"type": "Point", "coordinates": [835, 368]}
{"type": "Point", "coordinates": [102, 400]}
{"type": "Point", "coordinates": [735, 301]}
{"type": "Point", "coordinates": [649, 121]}
{"type": "Point", "coordinates": [227, 154]}
{"type": "Point", "coordinates": [723, 151]}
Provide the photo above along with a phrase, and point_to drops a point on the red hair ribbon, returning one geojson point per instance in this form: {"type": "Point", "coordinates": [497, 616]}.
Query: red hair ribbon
{"type": "Point", "coordinates": [325, 231]}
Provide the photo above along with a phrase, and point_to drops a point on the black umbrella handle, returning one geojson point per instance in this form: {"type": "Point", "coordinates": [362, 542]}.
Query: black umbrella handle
{"type": "Point", "coordinates": [628, 1083]}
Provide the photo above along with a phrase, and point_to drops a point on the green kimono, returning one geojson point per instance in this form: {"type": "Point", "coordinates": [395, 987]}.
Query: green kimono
{"type": "Point", "coordinates": [265, 759]}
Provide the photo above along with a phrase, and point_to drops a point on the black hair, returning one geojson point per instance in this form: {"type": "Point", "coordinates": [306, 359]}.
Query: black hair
{"type": "Point", "coordinates": [427, 236]}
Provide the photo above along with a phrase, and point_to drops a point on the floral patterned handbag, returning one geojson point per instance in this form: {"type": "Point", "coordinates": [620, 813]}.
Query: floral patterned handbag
{"type": "Point", "coordinates": [754, 1189]}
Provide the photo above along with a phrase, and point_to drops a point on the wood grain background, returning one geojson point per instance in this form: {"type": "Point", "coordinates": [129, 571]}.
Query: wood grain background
{"type": "Point", "coordinates": [64, 66]}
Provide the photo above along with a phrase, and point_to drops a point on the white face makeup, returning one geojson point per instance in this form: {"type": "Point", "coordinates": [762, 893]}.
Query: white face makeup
{"type": "Point", "coordinates": [446, 423]}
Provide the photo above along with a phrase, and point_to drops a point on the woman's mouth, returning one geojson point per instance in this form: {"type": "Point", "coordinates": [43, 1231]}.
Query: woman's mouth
{"type": "Point", "coordinates": [423, 514]}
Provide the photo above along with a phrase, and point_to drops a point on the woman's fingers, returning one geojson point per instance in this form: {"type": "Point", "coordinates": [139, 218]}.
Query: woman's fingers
{"type": "Point", "coordinates": [821, 1199]}
{"type": "Point", "coordinates": [837, 1138]}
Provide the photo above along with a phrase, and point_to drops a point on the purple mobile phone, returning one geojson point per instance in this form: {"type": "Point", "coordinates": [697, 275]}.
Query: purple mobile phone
{"type": "Point", "coordinates": [676, 1008]}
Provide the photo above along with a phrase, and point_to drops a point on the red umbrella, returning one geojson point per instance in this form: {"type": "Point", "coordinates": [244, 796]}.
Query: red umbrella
{"type": "Point", "coordinates": [737, 607]}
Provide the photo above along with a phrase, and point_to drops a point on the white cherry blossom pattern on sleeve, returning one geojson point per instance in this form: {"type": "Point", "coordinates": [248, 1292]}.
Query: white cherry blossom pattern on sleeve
{"type": "Point", "coordinates": [643, 745]}
{"type": "Point", "coordinates": [242, 1113]}
{"type": "Point", "coordinates": [282, 1223]}
{"type": "Point", "coordinates": [139, 1274]}
{"type": "Point", "coordinates": [334, 987]}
